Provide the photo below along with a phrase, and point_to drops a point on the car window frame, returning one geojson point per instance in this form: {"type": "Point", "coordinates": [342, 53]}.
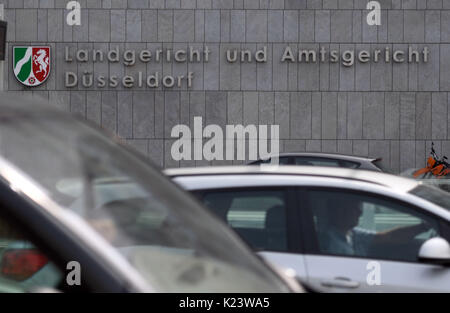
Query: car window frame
{"type": "Point", "coordinates": [292, 215]}
{"type": "Point", "coordinates": [307, 223]}
{"type": "Point", "coordinates": [445, 229]}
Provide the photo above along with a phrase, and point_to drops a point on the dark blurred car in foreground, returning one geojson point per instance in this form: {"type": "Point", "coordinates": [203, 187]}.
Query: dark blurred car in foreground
{"type": "Point", "coordinates": [70, 193]}
{"type": "Point", "coordinates": [327, 160]}
{"type": "Point", "coordinates": [337, 229]}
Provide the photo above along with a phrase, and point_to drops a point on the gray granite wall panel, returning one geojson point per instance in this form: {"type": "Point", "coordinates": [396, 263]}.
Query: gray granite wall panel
{"type": "Point", "coordinates": [388, 110]}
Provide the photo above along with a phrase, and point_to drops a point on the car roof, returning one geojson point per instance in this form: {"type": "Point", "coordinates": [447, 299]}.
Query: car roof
{"type": "Point", "coordinates": [383, 179]}
{"type": "Point", "coordinates": [327, 155]}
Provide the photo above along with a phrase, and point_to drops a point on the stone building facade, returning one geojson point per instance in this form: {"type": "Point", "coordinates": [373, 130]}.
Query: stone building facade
{"type": "Point", "coordinates": [374, 108]}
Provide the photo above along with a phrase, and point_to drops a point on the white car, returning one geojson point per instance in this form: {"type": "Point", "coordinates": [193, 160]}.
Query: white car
{"type": "Point", "coordinates": [341, 230]}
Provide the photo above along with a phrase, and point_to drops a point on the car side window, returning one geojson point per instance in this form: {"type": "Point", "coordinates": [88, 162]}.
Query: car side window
{"type": "Point", "coordinates": [361, 225]}
{"type": "Point", "coordinates": [23, 267]}
{"type": "Point", "coordinates": [312, 161]}
{"type": "Point", "coordinates": [281, 161]}
{"type": "Point", "coordinates": [349, 164]}
{"type": "Point", "coordinates": [258, 216]}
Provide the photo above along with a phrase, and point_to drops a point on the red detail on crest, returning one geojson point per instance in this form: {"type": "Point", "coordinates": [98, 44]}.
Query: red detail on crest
{"type": "Point", "coordinates": [41, 63]}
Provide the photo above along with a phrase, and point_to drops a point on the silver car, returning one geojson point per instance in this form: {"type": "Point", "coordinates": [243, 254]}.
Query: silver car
{"type": "Point", "coordinates": [341, 230]}
{"type": "Point", "coordinates": [326, 160]}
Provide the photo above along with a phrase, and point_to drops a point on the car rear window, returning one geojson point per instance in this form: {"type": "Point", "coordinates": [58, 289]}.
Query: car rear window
{"type": "Point", "coordinates": [349, 164]}
{"type": "Point", "coordinates": [315, 161]}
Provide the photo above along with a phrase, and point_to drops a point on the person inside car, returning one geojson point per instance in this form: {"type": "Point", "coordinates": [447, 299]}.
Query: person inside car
{"type": "Point", "coordinates": [344, 237]}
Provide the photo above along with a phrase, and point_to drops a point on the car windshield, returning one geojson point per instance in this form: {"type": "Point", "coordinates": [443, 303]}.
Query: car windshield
{"type": "Point", "coordinates": [165, 235]}
{"type": "Point", "coordinates": [432, 194]}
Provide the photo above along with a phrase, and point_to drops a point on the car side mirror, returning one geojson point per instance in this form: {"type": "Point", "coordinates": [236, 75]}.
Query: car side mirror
{"type": "Point", "coordinates": [435, 251]}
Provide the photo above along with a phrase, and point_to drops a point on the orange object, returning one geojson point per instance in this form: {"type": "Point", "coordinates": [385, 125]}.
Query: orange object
{"type": "Point", "coordinates": [421, 171]}
{"type": "Point", "coordinates": [438, 169]}
{"type": "Point", "coordinates": [430, 164]}
{"type": "Point", "coordinates": [444, 173]}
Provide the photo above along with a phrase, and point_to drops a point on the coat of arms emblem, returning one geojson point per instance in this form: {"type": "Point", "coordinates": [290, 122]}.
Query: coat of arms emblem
{"type": "Point", "coordinates": [31, 64]}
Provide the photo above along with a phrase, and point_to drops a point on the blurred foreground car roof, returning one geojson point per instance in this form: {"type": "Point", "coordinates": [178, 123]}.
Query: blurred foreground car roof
{"type": "Point", "coordinates": [137, 232]}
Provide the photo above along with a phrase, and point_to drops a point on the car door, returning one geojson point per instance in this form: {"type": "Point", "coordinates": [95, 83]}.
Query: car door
{"type": "Point", "coordinates": [264, 218]}
{"type": "Point", "coordinates": [361, 242]}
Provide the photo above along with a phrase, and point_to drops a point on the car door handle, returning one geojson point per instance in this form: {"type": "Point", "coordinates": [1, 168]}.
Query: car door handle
{"type": "Point", "coordinates": [340, 282]}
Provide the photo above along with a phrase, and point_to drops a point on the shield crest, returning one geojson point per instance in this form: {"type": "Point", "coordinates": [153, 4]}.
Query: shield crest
{"type": "Point", "coordinates": [31, 64]}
